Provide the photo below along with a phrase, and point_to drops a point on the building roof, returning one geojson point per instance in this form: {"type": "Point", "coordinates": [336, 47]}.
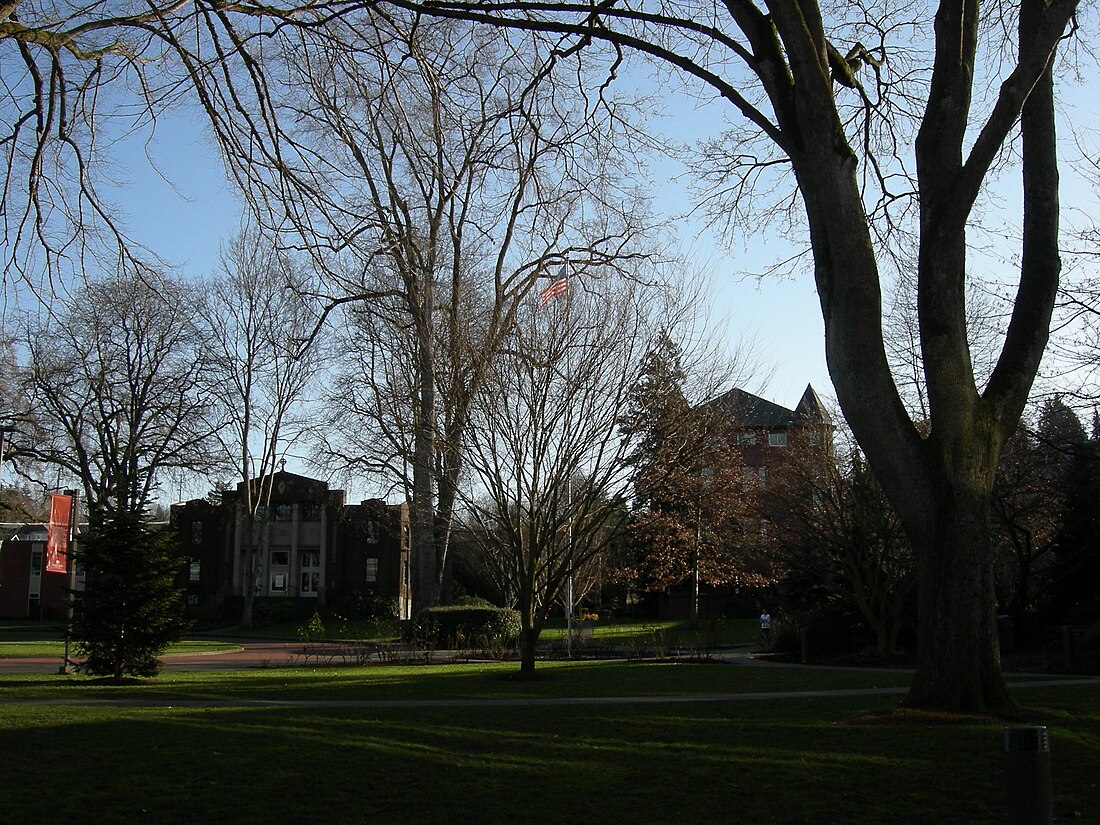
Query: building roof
{"type": "Point", "coordinates": [753, 412]}
{"type": "Point", "coordinates": [810, 410]}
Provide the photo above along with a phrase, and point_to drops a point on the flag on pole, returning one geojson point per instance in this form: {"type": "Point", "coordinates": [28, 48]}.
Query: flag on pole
{"type": "Point", "coordinates": [556, 288]}
{"type": "Point", "coordinates": [57, 533]}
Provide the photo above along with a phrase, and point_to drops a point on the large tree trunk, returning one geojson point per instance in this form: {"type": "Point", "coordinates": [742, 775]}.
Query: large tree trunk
{"type": "Point", "coordinates": [425, 572]}
{"type": "Point", "coordinates": [528, 639]}
{"type": "Point", "coordinates": [958, 653]}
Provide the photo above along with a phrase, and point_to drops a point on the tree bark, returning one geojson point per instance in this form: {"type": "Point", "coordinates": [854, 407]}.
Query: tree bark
{"type": "Point", "coordinates": [528, 639]}
{"type": "Point", "coordinates": [425, 572]}
{"type": "Point", "coordinates": [958, 654]}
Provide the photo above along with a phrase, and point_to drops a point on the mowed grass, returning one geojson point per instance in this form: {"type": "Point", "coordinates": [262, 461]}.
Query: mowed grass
{"type": "Point", "coordinates": [55, 649]}
{"type": "Point", "coordinates": [831, 759]}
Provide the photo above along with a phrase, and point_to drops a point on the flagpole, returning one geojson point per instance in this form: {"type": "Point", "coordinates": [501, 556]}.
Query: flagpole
{"type": "Point", "coordinates": [569, 578]}
{"type": "Point", "coordinates": [559, 286]}
{"type": "Point", "coordinates": [70, 569]}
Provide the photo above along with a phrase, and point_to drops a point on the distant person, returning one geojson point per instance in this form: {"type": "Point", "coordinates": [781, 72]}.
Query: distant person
{"type": "Point", "coordinates": [765, 625]}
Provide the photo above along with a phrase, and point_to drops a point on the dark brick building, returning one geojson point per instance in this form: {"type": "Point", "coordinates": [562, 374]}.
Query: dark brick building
{"type": "Point", "coordinates": [316, 550]}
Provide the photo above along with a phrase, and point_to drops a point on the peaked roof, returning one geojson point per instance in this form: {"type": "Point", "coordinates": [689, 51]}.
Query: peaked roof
{"type": "Point", "coordinates": [810, 410]}
{"type": "Point", "coordinates": [752, 411]}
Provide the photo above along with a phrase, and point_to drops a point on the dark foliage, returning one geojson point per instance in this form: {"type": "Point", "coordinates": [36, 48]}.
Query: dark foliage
{"type": "Point", "coordinates": [129, 611]}
{"type": "Point", "coordinates": [467, 626]}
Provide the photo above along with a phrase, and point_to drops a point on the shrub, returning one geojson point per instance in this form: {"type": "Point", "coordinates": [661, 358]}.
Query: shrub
{"type": "Point", "coordinates": [356, 605]}
{"type": "Point", "coordinates": [472, 601]}
{"type": "Point", "coordinates": [1089, 657]}
{"type": "Point", "coordinates": [274, 611]}
{"type": "Point", "coordinates": [467, 626]}
{"type": "Point", "coordinates": [313, 630]}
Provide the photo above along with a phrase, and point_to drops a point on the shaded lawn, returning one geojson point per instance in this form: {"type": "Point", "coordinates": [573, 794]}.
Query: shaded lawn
{"type": "Point", "coordinates": [469, 681]}
{"type": "Point", "coordinates": [776, 762]}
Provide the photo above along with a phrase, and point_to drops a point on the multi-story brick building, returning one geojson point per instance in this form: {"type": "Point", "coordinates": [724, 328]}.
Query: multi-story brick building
{"type": "Point", "coordinates": [314, 548]}
{"type": "Point", "coordinates": [762, 438]}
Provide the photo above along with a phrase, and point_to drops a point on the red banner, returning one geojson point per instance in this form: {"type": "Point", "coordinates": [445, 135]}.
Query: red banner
{"type": "Point", "coordinates": [57, 534]}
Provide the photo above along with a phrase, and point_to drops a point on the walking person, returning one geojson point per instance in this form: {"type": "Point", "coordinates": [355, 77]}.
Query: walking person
{"type": "Point", "coordinates": [765, 626]}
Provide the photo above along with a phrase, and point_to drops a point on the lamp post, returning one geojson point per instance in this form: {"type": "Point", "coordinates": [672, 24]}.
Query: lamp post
{"type": "Point", "coordinates": [706, 475]}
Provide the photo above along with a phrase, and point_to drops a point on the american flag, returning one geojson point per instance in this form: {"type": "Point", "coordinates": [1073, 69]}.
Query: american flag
{"type": "Point", "coordinates": [556, 288]}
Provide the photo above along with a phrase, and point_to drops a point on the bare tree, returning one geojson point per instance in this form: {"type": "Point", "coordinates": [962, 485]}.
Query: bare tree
{"type": "Point", "coordinates": [814, 101]}
{"type": "Point", "coordinates": [114, 392]}
{"type": "Point", "coordinates": [254, 318]}
{"type": "Point", "coordinates": [549, 470]}
{"type": "Point", "coordinates": [456, 176]}
{"type": "Point", "coordinates": [842, 540]}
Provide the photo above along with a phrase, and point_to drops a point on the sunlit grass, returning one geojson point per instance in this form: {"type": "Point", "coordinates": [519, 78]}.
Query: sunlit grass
{"type": "Point", "coordinates": [704, 632]}
{"type": "Point", "coordinates": [55, 649]}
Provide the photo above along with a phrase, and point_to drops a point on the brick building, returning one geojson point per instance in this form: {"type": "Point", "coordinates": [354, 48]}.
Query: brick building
{"type": "Point", "coordinates": [763, 437]}
{"type": "Point", "coordinates": [316, 549]}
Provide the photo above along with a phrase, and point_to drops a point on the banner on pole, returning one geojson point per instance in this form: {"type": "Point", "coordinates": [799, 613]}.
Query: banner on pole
{"type": "Point", "coordinates": [57, 533]}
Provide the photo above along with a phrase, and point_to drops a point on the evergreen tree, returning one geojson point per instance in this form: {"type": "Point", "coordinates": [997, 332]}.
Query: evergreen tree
{"type": "Point", "coordinates": [659, 421]}
{"type": "Point", "coordinates": [1072, 459]}
{"type": "Point", "coordinates": [130, 610]}
{"type": "Point", "coordinates": [693, 505]}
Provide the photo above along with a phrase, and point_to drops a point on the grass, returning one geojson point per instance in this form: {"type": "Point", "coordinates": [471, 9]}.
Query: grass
{"type": "Point", "coordinates": [55, 649]}
{"type": "Point", "coordinates": [715, 632]}
{"type": "Point", "coordinates": [474, 681]}
{"type": "Point", "coordinates": [805, 760]}
{"type": "Point", "coordinates": [604, 631]}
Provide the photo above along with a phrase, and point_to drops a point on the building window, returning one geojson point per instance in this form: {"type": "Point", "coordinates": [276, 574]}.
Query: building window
{"type": "Point", "coordinates": [284, 512]}
{"type": "Point", "coordinates": [754, 477]}
{"type": "Point", "coordinates": [194, 569]}
{"type": "Point", "coordinates": [372, 570]}
{"type": "Point", "coordinates": [777, 439]}
{"type": "Point", "coordinates": [746, 438]}
{"type": "Point", "coordinates": [310, 576]}
{"type": "Point", "coordinates": [280, 558]}
{"type": "Point", "coordinates": [196, 532]}
{"type": "Point", "coordinates": [278, 582]}
{"type": "Point", "coordinates": [311, 511]}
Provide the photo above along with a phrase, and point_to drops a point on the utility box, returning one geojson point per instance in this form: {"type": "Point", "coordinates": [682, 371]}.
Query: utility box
{"type": "Point", "coordinates": [1027, 775]}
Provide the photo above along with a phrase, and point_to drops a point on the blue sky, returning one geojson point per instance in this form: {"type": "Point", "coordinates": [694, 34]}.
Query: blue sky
{"type": "Point", "coordinates": [177, 202]}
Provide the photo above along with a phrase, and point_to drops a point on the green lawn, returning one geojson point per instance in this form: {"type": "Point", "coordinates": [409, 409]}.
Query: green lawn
{"type": "Point", "coordinates": [55, 649]}
{"type": "Point", "coordinates": [682, 633]}
{"type": "Point", "coordinates": [775, 761]}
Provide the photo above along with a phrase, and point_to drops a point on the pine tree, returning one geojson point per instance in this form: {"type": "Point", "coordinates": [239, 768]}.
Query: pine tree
{"type": "Point", "coordinates": [691, 498]}
{"type": "Point", "coordinates": [130, 610]}
{"type": "Point", "coordinates": [1072, 460]}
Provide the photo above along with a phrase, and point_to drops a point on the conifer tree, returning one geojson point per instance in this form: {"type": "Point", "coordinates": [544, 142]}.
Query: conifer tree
{"type": "Point", "coordinates": [131, 610]}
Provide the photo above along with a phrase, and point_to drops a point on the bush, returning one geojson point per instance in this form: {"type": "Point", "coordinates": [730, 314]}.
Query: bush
{"type": "Point", "coordinates": [356, 605]}
{"type": "Point", "coordinates": [313, 630]}
{"type": "Point", "coordinates": [268, 612]}
{"type": "Point", "coordinates": [832, 633]}
{"type": "Point", "coordinates": [1089, 657]}
{"type": "Point", "coordinates": [462, 626]}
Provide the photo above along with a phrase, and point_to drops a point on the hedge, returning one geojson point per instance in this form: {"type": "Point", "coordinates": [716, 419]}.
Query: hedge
{"type": "Point", "coordinates": [462, 626]}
